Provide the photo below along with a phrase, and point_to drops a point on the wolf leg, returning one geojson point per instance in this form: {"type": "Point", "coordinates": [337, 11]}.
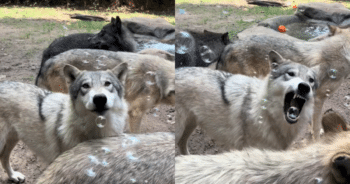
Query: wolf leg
{"type": "Point", "coordinates": [184, 134]}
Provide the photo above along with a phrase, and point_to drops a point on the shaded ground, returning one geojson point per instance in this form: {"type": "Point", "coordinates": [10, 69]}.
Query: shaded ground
{"type": "Point", "coordinates": [22, 42]}
{"type": "Point", "coordinates": [239, 17]}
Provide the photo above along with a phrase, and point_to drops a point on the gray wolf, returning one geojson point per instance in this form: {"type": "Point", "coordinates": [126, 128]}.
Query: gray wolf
{"type": "Point", "coordinates": [331, 55]}
{"type": "Point", "coordinates": [51, 123]}
{"type": "Point", "coordinates": [199, 48]}
{"type": "Point", "coordinates": [113, 36]}
{"type": "Point", "coordinates": [139, 158]}
{"type": "Point", "coordinates": [325, 162]}
{"type": "Point", "coordinates": [142, 91]}
{"type": "Point", "coordinates": [160, 53]}
{"type": "Point", "coordinates": [240, 111]}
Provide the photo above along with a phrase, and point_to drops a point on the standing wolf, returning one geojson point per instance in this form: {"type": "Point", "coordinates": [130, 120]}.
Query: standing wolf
{"type": "Point", "coordinates": [50, 123]}
{"type": "Point", "coordinates": [331, 55]}
{"type": "Point", "coordinates": [113, 36]}
{"type": "Point", "coordinates": [241, 111]}
{"type": "Point", "coordinates": [138, 158]}
{"type": "Point", "coordinates": [327, 162]}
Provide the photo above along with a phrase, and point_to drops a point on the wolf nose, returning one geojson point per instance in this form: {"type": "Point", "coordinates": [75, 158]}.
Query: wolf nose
{"type": "Point", "coordinates": [100, 101]}
{"type": "Point", "coordinates": [303, 89]}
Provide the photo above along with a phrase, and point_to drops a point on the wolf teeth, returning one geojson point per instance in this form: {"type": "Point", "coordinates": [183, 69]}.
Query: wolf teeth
{"type": "Point", "coordinates": [298, 96]}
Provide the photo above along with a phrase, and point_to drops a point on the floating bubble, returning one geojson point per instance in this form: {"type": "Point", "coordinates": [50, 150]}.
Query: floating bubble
{"type": "Point", "coordinates": [64, 27]}
{"type": "Point", "coordinates": [260, 118]}
{"type": "Point", "coordinates": [85, 61]}
{"type": "Point", "coordinates": [155, 115]}
{"type": "Point", "coordinates": [347, 101]}
{"type": "Point", "coordinates": [264, 101]}
{"type": "Point", "coordinates": [101, 60]}
{"type": "Point", "coordinates": [263, 107]}
{"type": "Point", "coordinates": [318, 180]}
{"type": "Point", "coordinates": [328, 91]}
{"type": "Point", "coordinates": [327, 94]}
{"type": "Point", "coordinates": [146, 181]}
{"type": "Point", "coordinates": [182, 11]}
{"type": "Point", "coordinates": [90, 172]}
{"type": "Point", "coordinates": [225, 12]}
{"type": "Point", "coordinates": [93, 160]}
{"type": "Point", "coordinates": [97, 67]}
{"type": "Point", "coordinates": [148, 98]}
{"type": "Point", "coordinates": [207, 55]}
{"type": "Point", "coordinates": [133, 180]}
{"type": "Point", "coordinates": [106, 150]}
{"type": "Point", "coordinates": [150, 78]}
{"type": "Point", "coordinates": [332, 73]}
{"type": "Point", "coordinates": [100, 121]}
{"type": "Point", "coordinates": [130, 156]}
{"type": "Point", "coordinates": [184, 42]}
{"type": "Point", "coordinates": [87, 54]}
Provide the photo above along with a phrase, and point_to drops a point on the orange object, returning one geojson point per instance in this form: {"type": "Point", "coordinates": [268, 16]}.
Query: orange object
{"type": "Point", "coordinates": [282, 29]}
{"type": "Point", "coordinates": [295, 6]}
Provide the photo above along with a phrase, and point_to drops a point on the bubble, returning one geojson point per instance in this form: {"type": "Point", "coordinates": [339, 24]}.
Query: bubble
{"type": "Point", "coordinates": [130, 156]}
{"type": "Point", "coordinates": [133, 180]}
{"type": "Point", "coordinates": [327, 94]}
{"type": "Point", "coordinates": [155, 113]}
{"type": "Point", "coordinates": [97, 67]}
{"type": "Point", "coordinates": [318, 180]}
{"type": "Point", "coordinates": [64, 27]}
{"type": "Point", "coordinates": [93, 160]}
{"type": "Point", "coordinates": [146, 181]}
{"type": "Point", "coordinates": [85, 61]}
{"type": "Point", "coordinates": [263, 107]}
{"type": "Point", "coordinates": [264, 101]}
{"type": "Point", "coordinates": [148, 98]}
{"type": "Point", "coordinates": [129, 141]}
{"type": "Point", "coordinates": [328, 91]}
{"type": "Point", "coordinates": [100, 121]}
{"type": "Point", "coordinates": [206, 54]}
{"type": "Point", "coordinates": [260, 119]}
{"type": "Point", "coordinates": [101, 60]}
{"type": "Point", "coordinates": [106, 150]}
{"type": "Point", "coordinates": [90, 172]}
{"type": "Point", "coordinates": [347, 101]}
{"type": "Point", "coordinates": [332, 73]}
{"type": "Point", "coordinates": [150, 78]}
{"type": "Point", "coordinates": [184, 43]}
{"type": "Point", "coordinates": [182, 11]}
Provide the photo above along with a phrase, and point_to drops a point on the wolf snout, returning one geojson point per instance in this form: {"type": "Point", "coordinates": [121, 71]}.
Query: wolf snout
{"type": "Point", "coordinates": [100, 102]}
{"type": "Point", "coordinates": [303, 89]}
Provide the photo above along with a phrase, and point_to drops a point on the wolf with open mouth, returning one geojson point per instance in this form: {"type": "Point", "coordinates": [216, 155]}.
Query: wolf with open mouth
{"type": "Point", "coordinates": [240, 111]}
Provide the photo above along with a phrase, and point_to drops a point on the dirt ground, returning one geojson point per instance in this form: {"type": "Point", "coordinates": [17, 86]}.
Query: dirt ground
{"type": "Point", "coordinates": [21, 47]}
{"type": "Point", "coordinates": [199, 142]}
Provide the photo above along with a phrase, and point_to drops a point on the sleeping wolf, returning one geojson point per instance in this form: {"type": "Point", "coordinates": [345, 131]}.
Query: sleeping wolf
{"type": "Point", "coordinates": [113, 36]}
{"type": "Point", "coordinates": [51, 123]}
{"type": "Point", "coordinates": [327, 162]}
{"type": "Point", "coordinates": [331, 55]}
{"type": "Point", "coordinates": [240, 111]}
{"type": "Point", "coordinates": [150, 80]}
{"type": "Point", "coordinates": [138, 158]}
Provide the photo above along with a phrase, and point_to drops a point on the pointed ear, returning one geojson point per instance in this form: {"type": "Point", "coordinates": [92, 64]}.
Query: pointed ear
{"type": "Point", "coordinates": [118, 25]}
{"type": "Point", "coordinates": [120, 72]}
{"type": "Point", "coordinates": [341, 167]}
{"type": "Point", "coordinates": [332, 29]}
{"type": "Point", "coordinates": [275, 59]}
{"type": "Point", "coordinates": [70, 73]}
{"type": "Point", "coordinates": [225, 38]}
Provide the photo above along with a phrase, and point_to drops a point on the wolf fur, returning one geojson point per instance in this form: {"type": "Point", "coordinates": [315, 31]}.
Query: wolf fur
{"type": "Point", "coordinates": [139, 94]}
{"type": "Point", "coordinates": [240, 111]}
{"type": "Point", "coordinates": [50, 123]}
{"type": "Point", "coordinates": [139, 158]}
{"type": "Point", "coordinates": [160, 53]}
{"type": "Point", "coordinates": [326, 162]}
{"type": "Point", "coordinates": [248, 57]}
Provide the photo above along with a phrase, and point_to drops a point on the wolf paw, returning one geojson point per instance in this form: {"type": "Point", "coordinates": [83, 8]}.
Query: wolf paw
{"type": "Point", "coordinates": [17, 177]}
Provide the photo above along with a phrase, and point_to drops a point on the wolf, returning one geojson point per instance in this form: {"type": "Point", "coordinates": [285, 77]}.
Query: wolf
{"type": "Point", "coordinates": [51, 123]}
{"type": "Point", "coordinates": [150, 79]}
{"type": "Point", "coordinates": [130, 158]}
{"type": "Point", "coordinates": [113, 36]}
{"type": "Point", "coordinates": [240, 111]}
{"type": "Point", "coordinates": [160, 53]}
{"type": "Point", "coordinates": [199, 48]}
{"type": "Point", "coordinates": [326, 162]}
{"type": "Point", "coordinates": [331, 55]}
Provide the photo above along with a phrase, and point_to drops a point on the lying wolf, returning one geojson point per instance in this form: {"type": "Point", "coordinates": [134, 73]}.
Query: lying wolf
{"type": "Point", "coordinates": [327, 162]}
{"type": "Point", "coordinates": [113, 36]}
{"type": "Point", "coordinates": [149, 82]}
{"type": "Point", "coordinates": [240, 111]}
{"type": "Point", "coordinates": [331, 55]}
{"type": "Point", "coordinates": [50, 123]}
{"type": "Point", "coordinates": [140, 158]}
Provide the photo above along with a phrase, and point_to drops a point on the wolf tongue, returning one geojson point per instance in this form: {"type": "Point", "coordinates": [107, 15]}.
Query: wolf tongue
{"type": "Point", "coordinates": [293, 112]}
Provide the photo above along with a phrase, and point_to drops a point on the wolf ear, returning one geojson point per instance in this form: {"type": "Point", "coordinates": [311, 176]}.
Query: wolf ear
{"type": "Point", "coordinates": [118, 24]}
{"type": "Point", "coordinates": [70, 73]}
{"type": "Point", "coordinates": [341, 167]}
{"type": "Point", "coordinates": [120, 72]}
{"type": "Point", "coordinates": [275, 59]}
{"type": "Point", "coordinates": [225, 38]}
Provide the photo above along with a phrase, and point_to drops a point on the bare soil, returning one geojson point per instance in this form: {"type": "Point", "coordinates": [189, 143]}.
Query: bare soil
{"type": "Point", "coordinates": [21, 45]}
{"type": "Point", "coordinates": [199, 142]}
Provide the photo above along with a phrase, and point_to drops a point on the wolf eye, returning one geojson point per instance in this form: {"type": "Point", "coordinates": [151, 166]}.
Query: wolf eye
{"type": "Point", "coordinates": [311, 80]}
{"type": "Point", "coordinates": [86, 86]}
{"type": "Point", "coordinates": [107, 83]}
{"type": "Point", "coordinates": [291, 74]}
